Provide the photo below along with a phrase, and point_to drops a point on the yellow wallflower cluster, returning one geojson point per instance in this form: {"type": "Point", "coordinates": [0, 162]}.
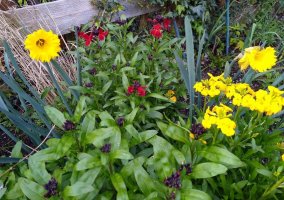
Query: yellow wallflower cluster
{"type": "Point", "coordinates": [258, 59]}
{"type": "Point", "coordinates": [269, 102]}
{"type": "Point", "coordinates": [220, 116]}
{"type": "Point", "coordinates": [171, 95]}
{"type": "Point", "coordinates": [212, 86]}
{"type": "Point", "coordinates": [241, 94]}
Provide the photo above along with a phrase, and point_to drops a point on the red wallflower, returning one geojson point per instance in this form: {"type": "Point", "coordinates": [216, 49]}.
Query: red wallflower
{"type": "Point", "coordinates": [141, 91]}
{"type": "Point", "coordinates": [86, 37]}
{"type": "Point", "coordinates": [102, 34]}
{"type": "Point", "coordinates": [130, 89]}
{"type": "Point", "coordinates": [156, 31]}
{"type": "Point", "coordinates": [167, 24]}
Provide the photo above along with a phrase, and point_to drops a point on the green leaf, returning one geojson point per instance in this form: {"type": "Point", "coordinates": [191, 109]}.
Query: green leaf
{"type": "Point", "coordinates": [106, 87]}
{"type": "Point", "coordinates": [158, 96]}
{"type": "Point", "coordinates": [134, 59]}
{"type": "Point", "coordinates": [222, 156]}
{"type": "Point", "coordinates": [194, 194]}
{"type": "Point", "coordinates": [55, 116]}
{"type": "Point", "coordinates": [31, 189]}
{"type": "Point", "coordinates": [79, 111]}
{"type": "Point", "coordinates": [207, 170]}
{"type": "Point", "coordinates": [119, 186]}
{"type": "Point", "coordinates": [130, 117]}
{"type": "Point", "coordinates": [173, 132]}
{"type": "Point", "coordinates": [121, 154]}
{"type": "Point", "coordinates": [77, 189]}
{"type": "Point", "coordinates": [125, 82]}
{"type": "Point", "coordinates": [89, 122]}
{"type": "Point", "coordinates": [88, 162]}
{"type": "Point", "coordinates": [98, 136]}
{"type": "Point", "coordinates": [16, 151]}
{"type": "Point", "coordinates": [143, 179]}
{"type": "Point", "coordinates": [15, 192]}
{"type": "Point", "coordinates": [38, 170]}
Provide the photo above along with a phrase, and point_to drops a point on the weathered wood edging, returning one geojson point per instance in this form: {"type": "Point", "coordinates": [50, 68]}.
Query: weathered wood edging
{"type": "Point", "coordinates": [62, 15]}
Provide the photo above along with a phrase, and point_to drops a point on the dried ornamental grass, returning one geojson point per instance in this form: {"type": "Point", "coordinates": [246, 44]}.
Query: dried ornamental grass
{"type": "Point", "coordinates": [12, 31]}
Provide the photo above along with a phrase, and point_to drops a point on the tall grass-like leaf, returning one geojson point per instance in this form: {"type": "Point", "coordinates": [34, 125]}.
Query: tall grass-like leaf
{"type": "Point", "coordinates": [198, 64]}
{"type": "Point", "coordinates": [9, 160]}
{"type": "Point", "coordinates": [19, 72]}
{"type": "Point", "coordinates": [16, 88]}
{"type": "Point", "coordinates": [2, 104]}
{"type": "Point", "coordinates": [21, 124]}
{"type": "Point", "coordinates": [227, 26]}
{"type": "Point", "coordinates": [190, 62]}
{"type": "Point", "coordinates": [183, 70]}
{"type": "Point", "coordinates": [58, 88]}
{"type": "Point", "coordinates": [65, 77]}
{"type": "Point", "coordinates": [278, 80]}
{"type": "Point", "coordinates": [79, 69]}
{"type": "Point", "coordinates": [248, 40]}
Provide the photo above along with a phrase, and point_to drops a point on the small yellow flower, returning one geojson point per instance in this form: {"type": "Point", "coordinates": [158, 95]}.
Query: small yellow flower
{"type": "Point", "coordinates": [170, 93]}
{"type": "Point", "coordinates": [173, 99]}
{"type": "Point", "coordinates": [282, 157]}
{"type": "Point", "coordinates": [43, 45]}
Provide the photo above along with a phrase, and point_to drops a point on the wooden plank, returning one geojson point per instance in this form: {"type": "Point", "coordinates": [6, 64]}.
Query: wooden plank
{"type": "Point", "coordinates": [62, 15]}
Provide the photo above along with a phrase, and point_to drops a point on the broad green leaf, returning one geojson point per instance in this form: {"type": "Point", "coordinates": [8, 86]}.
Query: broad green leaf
{"type": "Point", "coordinates": [2, 189]}
{"type": "Point", "coordinates": [143, 179]}
{"type": "Point", "coordinates": [77, 189]}
{"type": "Point", "coordinates": [158, 96]}
{"type": "Point", "coordinates": [193, 194]}
{"type": "Point", "coordinates": [222, 156]}
{"type": "Point", "coordinates": [121, 154]}
{"type": "Point", "coordinates": [106, 87]}
{"type": "Point", "coordinates": [134, 59]}
{"type": "Point", "coordinates": [16, 151]}
{"type": "Point", "coordinates": [55, 116]}
{"type": "Point", "coordinates": [31, 189]}
{"type": "Point", "coordinates": [119, 186]}
{"type": "Point", "coordinates": [125, 82]}
{"type": "Point", "coordinates": [90, 175]}
{"type": "Point", "coordinates": [130, 117]}
{"type": "Point", "coordinates": [207, 170]}
{"type": "Point", "coordinates": [15, 192]}
{"type": "Point", "coordinates": [89, 122]}
{"type": "Point", "coordinates": [79, 111]}
{"type": "Point", "coordinates": [106, 119]}
{"type": "Point", "coordinates": [98, 136]}
{"type": "Point", "coordinates": [39, 172]}
{"type": "Point", "coordinates": [173, 132]}
{"type": "Point", "coordinates": [87, 163]}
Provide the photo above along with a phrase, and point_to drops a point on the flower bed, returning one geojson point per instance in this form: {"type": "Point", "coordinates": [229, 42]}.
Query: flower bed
{"type": "Point", "coordinates": [129, 128]}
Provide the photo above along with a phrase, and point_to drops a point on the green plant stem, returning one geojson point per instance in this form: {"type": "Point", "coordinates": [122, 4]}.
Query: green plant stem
{"type": "Point", "coordinates": [274, 187]}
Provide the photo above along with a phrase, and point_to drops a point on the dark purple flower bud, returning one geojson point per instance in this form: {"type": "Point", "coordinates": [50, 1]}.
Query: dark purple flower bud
{"type": "Point", "coordinates": [264, 161]}
{"type": "Point", "coordinates": [92, 71]}
{"type": "Point", "coordinates": [120, 121]}
{"type": "Point", "coordinates": [68, 125]}
{"type": "Point", "coordinates": [106, 148]}
{"type": "Point", "coordinates": [51, 188]}
{"type": "Point", "coordinates": [113, 67]}
{"type": "Point", "coordinates": [150, 57]}
{"type": "Point", "coordinates": [173, 181]}
{"type": "Point", "coordinates": [159, 18]}
{"type": "Point", "coordinates": [197, 130]}
{"type": "Point", "coordinates": [89, 85]}
{"type": "Point", "coordinates": [136, 85]}
{"type": "Point", "coordinates": [96, 32]}
{"type": "Point", "coordinates": [172, 196]}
